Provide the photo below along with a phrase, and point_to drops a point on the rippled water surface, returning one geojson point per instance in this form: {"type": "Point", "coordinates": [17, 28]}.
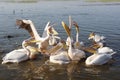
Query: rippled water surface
{"type": "Point", "coordinates": [102, 18]}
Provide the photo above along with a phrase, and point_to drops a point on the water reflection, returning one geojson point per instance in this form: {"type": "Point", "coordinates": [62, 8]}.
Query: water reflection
{"type": "Point", "coordinates": [71, 69]}
{"type": "Point", "coordinates": [47, 71]}
{"type": "Point", "coordinates": [96, 70]}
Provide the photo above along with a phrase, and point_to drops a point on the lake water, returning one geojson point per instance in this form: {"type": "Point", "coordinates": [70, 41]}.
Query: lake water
{"type": "Point", "coordinates": [102, 18]}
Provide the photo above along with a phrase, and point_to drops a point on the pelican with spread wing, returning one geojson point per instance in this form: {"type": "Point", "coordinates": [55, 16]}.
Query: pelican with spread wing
{"type": "Point", "coordinates": [42, 42]}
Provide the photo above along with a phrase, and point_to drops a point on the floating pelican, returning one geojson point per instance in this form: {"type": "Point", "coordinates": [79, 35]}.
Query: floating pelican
{"type": "Point", "coordinates": [102, 56]}
{"type": "Point", "coordinates": [61, 57]}
{"type": "Point", "coordinates": [101, 53]}
{"type": "Point", "coordinates": [66, 56]}
{"type": "Point", "coordinates": [77, 44]}
{"type": "Point", "coordinates": [43, 42]}
{"type": "Point", "coordinates": [53, 38]}
{"type": "Point", "coordinates": [19, 55]}
{"type": "Point", "coordinates": [97, 40]}
{"type": "Point", "coordinates": [98, 59]}
{"type": "Point", "coordinates": [96, 37]}
{"type": "Point", "coordinates": [105, 49]}
{"type": "Point", "coordinates": [74, 54]}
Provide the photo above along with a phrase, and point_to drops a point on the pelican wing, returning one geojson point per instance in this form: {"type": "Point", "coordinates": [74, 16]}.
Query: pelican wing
{"type": "Point", "coordinates": [105, 50]}
{"type": "Point", "coordinates": [98, 59]}
{"type": "Point", "coordinates": [45, 30]}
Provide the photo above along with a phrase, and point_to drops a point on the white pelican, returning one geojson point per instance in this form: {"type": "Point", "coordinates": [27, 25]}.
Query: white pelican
{"type": "Point", "coordinates": [98, 59]}
{"type": "Point", "coordinates": [66, 56]}
{"type": "Point", "coordinates": [97, 47]}
{"type": "Point", "coordinates": [60, 56]}
{"type": "Point", "coordinates": [77, 44]}
{"type": "Point", "coordinates": [97, 40]}
{"type": "Point", "coordinates": [53, 33]}
{"type": "Point", "coordinates": [16, 56]}
{"type": "Point", "coordinates": [96, 37]}
{"type": "Point", "coordinates": [43, 42]}
{"type": "Point", "coordinates": [102, 56]}
{"type": "Point", "coordinates": [105, 49]}
{"type": "Point", "coordinates": [74, 54]}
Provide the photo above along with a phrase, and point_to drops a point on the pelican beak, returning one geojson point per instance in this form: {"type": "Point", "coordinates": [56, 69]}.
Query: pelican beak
{"type": "Point", "coordinates": [66, 28]}
{"type": "Point", "coordinates": [54, 31]}
{"type": "Point", "coordinates": [51, 29]}
{"type": "Point", "coordinates": [48, 24]}
{"type": "Point", "coordinates": [31, 41]}
{"type": "Point", "coordinates": [92, 34]}
{"type": "Point", "coordinates": [90, 38]}
{"type": "Point", "coordinates": [90, 50]}
{"type": "Point", "coordinates": [55, 48]}
{"type": "Point", "coordinates": [35, 41]}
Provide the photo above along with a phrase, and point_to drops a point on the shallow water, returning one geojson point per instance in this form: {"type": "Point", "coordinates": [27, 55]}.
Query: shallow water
{"type": "Point", "coordinates": [102, 19]}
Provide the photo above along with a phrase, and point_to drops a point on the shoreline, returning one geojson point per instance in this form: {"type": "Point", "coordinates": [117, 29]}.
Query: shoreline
{"type": "Point", "coordinates": [82, 3]}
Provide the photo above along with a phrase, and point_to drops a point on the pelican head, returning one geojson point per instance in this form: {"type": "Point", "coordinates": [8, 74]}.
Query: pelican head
{"type": "Point", "coordinates": [91, 35]}
{"type": "Point", "coordinates": [24, 24]}
{"type": "Point", "coordinates": [76, 25]}
{"type": "Point", "coordinates": [96, 37]}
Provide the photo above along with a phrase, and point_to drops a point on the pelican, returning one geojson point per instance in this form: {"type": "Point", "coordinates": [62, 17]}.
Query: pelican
{"type": "Point", "coordinates": [98, 45]}
{"type": "Point", "coordinates": [98, 59]}
{"type": "Point", "coordinates": [65, 57]}
{"type": "Point", "coordinates": [104, 49]}
{"type": "Point", "coordinates": [77, 44]}
{"type": "Point", "coordinates": [97, 40]}
{"type": "Point", "coordinates": [60, 56]}
{"type": "Point", "coordinates": [74, 54]}
{"type": "Point", "coordinates": [102, 56]}
{"type": "Point", "coordinates": [43, 42]}
{"type": "Point", "coordinates": [16, 56]}
{"type": "Point", "coordinates": [53, 39]}
{"type": "Point", "coordinates": [101, 53]}
{"type": "Point", "coordinates": [96, 37]}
